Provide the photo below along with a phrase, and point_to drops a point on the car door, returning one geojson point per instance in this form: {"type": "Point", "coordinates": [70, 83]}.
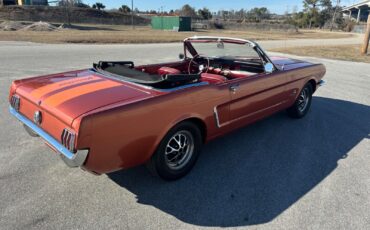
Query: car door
{"type": "Point", "coordinates": [258, 96]}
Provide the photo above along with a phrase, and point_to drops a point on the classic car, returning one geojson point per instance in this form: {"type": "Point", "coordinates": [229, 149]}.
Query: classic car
{"type": "Point", "coordinates": [118, 115]}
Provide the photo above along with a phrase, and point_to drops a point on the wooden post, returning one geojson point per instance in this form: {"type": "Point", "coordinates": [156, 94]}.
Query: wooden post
{"type": "Point", "coordinates": [365, 46]}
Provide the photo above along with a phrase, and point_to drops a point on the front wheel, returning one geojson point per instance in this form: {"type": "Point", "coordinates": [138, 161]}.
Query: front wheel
{"type": "Point", "coordinates": [303, 103]}
{"type": "Point", "coordinates": [177, 152]}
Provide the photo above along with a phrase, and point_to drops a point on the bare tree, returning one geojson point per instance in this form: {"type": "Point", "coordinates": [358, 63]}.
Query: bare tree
{"type": "Point", "coordinates": [67, 4]}
{"type": "Point", "coordinates": [334, 15]}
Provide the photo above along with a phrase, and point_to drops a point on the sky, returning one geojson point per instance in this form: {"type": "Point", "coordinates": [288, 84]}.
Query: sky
{"type": "Point", "coordinates": [275, 6]}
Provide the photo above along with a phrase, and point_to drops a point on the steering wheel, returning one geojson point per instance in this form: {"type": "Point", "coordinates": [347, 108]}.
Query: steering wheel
{"type": "Point", "coordinates": [192, 61]}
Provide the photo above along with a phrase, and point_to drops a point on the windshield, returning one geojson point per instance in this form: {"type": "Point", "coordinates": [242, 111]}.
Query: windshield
{"type": "Point", "coordinates": [223, 49]}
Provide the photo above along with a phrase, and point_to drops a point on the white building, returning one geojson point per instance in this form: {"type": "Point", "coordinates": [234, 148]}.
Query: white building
{"type": "Point", "coordinates": [359, 11]}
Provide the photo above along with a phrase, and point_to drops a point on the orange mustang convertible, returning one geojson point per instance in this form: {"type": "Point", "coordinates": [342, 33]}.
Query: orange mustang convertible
{"type": "Point", "coordinates": [117, 115]}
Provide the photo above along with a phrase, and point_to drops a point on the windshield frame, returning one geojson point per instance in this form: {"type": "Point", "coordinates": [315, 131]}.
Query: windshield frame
{"type": "Point", "coordinates": [207, 39]}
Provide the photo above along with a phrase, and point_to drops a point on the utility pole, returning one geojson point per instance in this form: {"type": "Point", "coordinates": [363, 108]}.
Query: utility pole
{"type": "Point", "coordinates": [365, 46]}
{"type": "Point", "coordinates": [132, 14]}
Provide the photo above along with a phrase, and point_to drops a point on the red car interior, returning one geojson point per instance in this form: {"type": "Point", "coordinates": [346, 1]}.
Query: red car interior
{"type": "Point", "coordinates": [212, 75]}
{"type": "Point", "coordinates": [232, 74]}
{"type": "Point", "coordinates": [212, 78]}
{"type": "Point", "coordinates": [168, 70]}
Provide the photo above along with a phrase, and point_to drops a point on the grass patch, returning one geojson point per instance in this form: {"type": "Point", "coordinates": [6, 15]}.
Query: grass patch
{"type": "Point", "coordinates": [342, 52]}
{"type": "Point", "coordinates": [84, 33]}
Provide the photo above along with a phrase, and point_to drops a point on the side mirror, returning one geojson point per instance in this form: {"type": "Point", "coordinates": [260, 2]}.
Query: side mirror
{"type": "Point", "coordinates": [181, 56]}
{"type": "Point", "coordinates": [269, 68]}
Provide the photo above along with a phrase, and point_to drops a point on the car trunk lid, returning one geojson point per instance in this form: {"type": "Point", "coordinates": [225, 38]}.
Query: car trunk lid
{"type": "Point", "coordinates": [69, 95]}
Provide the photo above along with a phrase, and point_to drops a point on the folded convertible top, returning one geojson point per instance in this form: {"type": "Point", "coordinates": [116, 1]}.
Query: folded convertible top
{"type": "Point", "coordinates": [125, 71]}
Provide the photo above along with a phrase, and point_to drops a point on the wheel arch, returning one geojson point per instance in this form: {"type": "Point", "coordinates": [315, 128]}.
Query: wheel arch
{"type": "Point", "coordinates": [313, 84]}
{"type": "Point", "coordinates": [199, 123]}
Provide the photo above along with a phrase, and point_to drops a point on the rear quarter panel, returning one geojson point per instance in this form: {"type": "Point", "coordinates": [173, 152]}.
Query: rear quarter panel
{"type": "Point", "coordinates": [126, 136]}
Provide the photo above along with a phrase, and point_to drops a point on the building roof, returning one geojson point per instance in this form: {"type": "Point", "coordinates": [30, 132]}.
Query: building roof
{"type": "Point", "coordinates": [357, 5]}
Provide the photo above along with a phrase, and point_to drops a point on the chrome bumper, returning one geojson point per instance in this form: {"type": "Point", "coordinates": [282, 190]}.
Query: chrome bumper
{"type": "Point", "coordinates": [71, 159]}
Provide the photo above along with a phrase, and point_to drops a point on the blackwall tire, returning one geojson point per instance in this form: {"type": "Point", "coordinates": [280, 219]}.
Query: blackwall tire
{"type": "Point", "coordinates": [177, 153]}
{"type": "Point", "coordinates": [303, 103]}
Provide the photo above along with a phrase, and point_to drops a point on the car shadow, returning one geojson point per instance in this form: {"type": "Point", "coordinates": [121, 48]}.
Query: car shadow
{"type": "Point", "coordinates": [252, 175]}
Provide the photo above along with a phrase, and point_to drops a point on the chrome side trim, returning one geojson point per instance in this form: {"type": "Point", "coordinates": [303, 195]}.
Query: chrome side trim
{"type": "Point", "coordinates": [217, 119]}
{"type": "Point", "coordinates": [321, 83]}
{"type": "Point", "coordinates": [182, 87]}
{"type": "Point", "coordinates": [71, 159]}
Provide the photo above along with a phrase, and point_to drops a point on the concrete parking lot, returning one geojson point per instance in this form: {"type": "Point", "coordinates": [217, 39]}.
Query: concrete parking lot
{"type": "Point", "coordinates": [279, 173]}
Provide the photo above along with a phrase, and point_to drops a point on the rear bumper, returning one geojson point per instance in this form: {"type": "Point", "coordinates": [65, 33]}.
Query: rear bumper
{"type": "Point", "coordinates": [71, 159]}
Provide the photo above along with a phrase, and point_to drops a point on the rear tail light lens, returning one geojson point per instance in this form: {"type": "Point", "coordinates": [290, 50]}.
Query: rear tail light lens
{"type": "Point", "coordinates": [15, 102]}
{"type": "Point", "coordinates": [68, 139]}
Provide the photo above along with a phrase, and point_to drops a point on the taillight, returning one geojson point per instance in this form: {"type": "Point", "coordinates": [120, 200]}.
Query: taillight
{"type": "Point", "coordinates": [15, 102]}
{"type": "Point", "coordinates": [68, 139]}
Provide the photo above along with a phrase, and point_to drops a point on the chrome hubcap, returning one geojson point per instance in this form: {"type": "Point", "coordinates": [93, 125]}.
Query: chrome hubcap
{"type": "Point", "coordinates": [179, 150]}
{"type": "Point", "coordinates": [303, 100]}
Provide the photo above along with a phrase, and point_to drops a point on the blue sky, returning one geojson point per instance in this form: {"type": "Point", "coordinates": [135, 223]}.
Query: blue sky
{"type": "Point", "coordinates": [276, 6]}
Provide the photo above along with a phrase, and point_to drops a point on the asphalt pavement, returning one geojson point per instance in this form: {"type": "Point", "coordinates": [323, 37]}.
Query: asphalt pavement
{"type": "Point", "coordinates": [279, 173]}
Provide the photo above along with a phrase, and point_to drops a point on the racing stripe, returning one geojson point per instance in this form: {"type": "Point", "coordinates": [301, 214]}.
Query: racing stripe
{"type": "Point", "coordinates": [37, 93]}
{"type": "Point", "coordinates": [66, 95]}
{"type": "Point", "coordinates": [77, 106]}
{"type": "Point", "coordinates": [69, 87]}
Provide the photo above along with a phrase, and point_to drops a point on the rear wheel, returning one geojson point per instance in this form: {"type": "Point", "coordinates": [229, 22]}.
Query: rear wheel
{"type": "Point", "coordinates": [303, 103]}
{"type": "Point", "coordinates": [177, 152]}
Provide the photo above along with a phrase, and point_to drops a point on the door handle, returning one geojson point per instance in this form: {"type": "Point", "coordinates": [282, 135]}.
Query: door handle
{"type": "Point", "coordinates": [234, 88]}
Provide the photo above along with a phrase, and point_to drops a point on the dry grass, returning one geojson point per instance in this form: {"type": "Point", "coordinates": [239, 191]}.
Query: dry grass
{"type": "Point", "coordinates": [343, 52]}
{"type": "Point", "coordinates": [125, 34]}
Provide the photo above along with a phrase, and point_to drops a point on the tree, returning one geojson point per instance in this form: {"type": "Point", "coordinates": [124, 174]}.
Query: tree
{"type": "Point", "coordinates": [318, 11]}
{"type": "Point", "coordinates": [258, 14]}
{"type": "Point", "coordinates": [205, 13]}
{"type": "Point", "coordinates": [188, 11]}
{"type": "Point", "coordinates": [98, 6]}
{"type": "Point", "coordinates": [125, 9]}
{"type": "Point", "coordinates": [334, 15]}
{"type": "Point", "coordinates": [240, 14]}
{"type": "Point", "coordinates": [73, 3]}
{"type": "Point", "coordinates": [310, 7]}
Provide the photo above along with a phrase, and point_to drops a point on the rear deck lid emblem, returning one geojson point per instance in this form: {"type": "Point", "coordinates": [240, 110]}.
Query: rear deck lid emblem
{"type": "Point", "coordinates": [37, 117]}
